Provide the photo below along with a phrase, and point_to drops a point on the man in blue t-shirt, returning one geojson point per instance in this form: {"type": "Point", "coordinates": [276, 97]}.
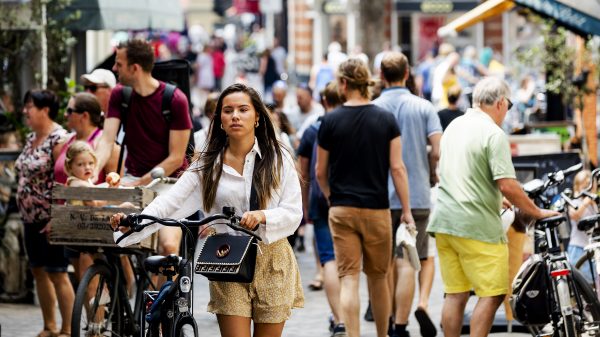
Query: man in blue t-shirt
{"type": "Point", "coordinates": [419, 125]}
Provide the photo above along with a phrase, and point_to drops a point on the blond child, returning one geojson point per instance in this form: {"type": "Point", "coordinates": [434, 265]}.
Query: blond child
{"type": "Point", "coordinates": [80, 162]}
{"type": "Point", "coordinates": [586, 206]}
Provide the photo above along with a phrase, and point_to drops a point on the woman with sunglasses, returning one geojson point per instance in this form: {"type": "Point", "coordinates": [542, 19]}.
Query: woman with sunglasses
{"type": "Point", "coordinates": [35, 174]}
{"type": "Point", "coordinates": [84, 116]}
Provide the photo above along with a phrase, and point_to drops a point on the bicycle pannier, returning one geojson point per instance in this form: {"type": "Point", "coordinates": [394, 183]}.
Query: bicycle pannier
{"type": "Point", "coordinates": [529, 299]}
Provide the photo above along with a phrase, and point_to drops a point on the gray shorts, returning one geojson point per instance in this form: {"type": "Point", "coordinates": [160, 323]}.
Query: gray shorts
{"type": "Point", "coordinates": [421, 217]}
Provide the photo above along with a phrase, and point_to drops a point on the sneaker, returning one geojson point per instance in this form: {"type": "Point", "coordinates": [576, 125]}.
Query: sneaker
{"type": "Point", "coordinates": [331, 324]}
{"type": "Point", "coordinates": [401, 334]}
{"type": "Point", "coordinates": [104, 298]}
{"type": "Point", "coordinates": [339, 330]}
{"type": "Point", "coordinates": [427, 327]}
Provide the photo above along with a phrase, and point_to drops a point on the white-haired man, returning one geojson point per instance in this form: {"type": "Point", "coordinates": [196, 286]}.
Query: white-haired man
{"type": "Point", "coordinates": [475, 172]}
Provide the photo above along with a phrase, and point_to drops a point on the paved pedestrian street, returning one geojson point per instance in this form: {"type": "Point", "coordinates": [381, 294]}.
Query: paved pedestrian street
{"type": "Point", "coordinates": [19, 320]}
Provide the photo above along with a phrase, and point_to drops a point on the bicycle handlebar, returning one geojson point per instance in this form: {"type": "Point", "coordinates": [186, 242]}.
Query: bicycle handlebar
{"type": "Point", "coordinates": [133, 221]}
{"type": "Point", "coordinates": [164, 180]}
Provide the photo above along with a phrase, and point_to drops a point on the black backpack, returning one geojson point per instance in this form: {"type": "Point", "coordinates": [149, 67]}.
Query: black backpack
{"type": "Point", "coordinates": [529, 299]}
{"type": "Point", "coordinates": [175, 74]}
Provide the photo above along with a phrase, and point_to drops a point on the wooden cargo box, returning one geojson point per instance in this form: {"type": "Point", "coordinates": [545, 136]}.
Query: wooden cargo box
{"type": "Point", "coordinates": [88, 225]}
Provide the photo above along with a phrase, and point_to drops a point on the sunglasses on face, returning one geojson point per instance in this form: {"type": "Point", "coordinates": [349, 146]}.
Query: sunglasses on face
{"type": "Point", "coordinates": [70, 111]}
{"type": "Point", "coordinates": [93, 87]}
{"type": "Point", "coordinates": [510, 104]}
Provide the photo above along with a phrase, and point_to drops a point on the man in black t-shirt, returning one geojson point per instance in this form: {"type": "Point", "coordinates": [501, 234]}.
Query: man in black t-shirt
{"type": "Point", "coordinates": [358, 144]}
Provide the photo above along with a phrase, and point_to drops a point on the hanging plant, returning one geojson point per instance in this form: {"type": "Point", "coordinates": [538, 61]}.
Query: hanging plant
{"type": "Point", "coordinates": [553, 56]}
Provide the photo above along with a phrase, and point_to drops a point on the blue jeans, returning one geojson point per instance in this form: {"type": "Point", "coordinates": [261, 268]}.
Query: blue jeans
{"type": "Point", "coordinates": [324, 240]}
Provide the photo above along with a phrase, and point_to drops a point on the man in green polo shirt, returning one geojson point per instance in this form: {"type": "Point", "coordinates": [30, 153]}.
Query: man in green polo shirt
{"type": "Point", "coordinates": [476, 170]}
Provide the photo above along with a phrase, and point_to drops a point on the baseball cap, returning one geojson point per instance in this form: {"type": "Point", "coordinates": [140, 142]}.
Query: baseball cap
{"type": "Point", "coordinates": [101, 76]}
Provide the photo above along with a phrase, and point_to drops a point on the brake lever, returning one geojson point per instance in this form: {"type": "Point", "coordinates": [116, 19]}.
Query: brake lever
{"type": "Point", "coordinates": [234, 224]}
{"type": "Point", "coordinates": [568, 200]}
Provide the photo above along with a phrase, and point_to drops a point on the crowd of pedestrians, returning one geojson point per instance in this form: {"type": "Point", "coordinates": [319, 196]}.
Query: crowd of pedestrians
{"type": "Point", "coordinates": [358, 163]}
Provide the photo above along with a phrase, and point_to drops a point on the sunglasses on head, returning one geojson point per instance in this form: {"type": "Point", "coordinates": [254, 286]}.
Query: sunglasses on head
{"type": "Point", "coordinates": [93, 87]}
{"type": "Point", "coordinates": [70, 111]}
{"type": "Point", "coordinates": [510, 104]}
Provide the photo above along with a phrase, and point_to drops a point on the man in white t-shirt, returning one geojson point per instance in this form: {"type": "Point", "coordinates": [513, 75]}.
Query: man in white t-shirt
{"type": "Point", "coordinates": [305, 113]}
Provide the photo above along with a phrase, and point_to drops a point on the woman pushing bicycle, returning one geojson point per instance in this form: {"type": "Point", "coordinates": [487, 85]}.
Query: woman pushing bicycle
{"type": "Point", "coordinates": [242, 152]}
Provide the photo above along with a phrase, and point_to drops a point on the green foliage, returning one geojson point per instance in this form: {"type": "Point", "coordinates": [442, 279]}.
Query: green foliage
{"type": "Point", "coordinates": [20, 33]}
{"type": "Point", "coordinates": [554, 57]}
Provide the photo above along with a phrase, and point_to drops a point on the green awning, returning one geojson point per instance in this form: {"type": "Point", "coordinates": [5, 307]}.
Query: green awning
{"type": "Point", "coordinates": [126, 15]}
{"type": "Point", "coordinates": [579, 16]}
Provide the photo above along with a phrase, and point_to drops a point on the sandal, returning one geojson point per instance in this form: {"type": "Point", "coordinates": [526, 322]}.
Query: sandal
{"type": "Point", "coordinates": [63, 334]}
{"type": "Point", "coordinates": [315, 285]}
{"type": "Point", "coordinates": [47, 333]}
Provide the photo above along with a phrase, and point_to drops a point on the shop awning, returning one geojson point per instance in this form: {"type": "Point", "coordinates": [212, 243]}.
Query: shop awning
{"type": "Point", "coordinates": [480, 13]}
{"type": "Point", "coordinates": [579, 16]}
{"type": "Point", "coordinates": [126, 15]}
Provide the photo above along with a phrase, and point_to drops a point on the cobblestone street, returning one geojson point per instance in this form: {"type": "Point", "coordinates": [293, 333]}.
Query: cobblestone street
{"type": "Point", "coordinates": [18, 320]}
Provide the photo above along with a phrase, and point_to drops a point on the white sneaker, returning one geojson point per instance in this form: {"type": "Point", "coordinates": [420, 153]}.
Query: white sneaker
{"type": "Point", "coordinates": [104, 298]}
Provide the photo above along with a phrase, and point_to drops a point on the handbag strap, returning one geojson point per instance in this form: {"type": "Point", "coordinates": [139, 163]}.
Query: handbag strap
{"type": "Point", "coordinates": [253, 195]}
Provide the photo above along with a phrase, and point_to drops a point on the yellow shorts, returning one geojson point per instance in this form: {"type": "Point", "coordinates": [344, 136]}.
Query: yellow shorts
{"type": "Point", "coordinates": [274, 292]}
{"type": "Point", "coordinates": [468, 264]}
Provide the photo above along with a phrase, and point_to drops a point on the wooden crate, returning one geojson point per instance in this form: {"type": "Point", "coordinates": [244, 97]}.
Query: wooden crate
{"type": "Point", "coordinates": [89, 225]}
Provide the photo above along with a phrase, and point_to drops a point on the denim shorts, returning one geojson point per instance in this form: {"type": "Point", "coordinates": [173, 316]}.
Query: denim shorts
{"type": "Point", "coordinates": [324, 240]}
{"type": "Point", "coordinates": [41, 253]}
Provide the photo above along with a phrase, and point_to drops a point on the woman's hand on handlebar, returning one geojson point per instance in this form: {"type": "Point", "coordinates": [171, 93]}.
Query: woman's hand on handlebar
{"type": "Point", "coordinates": [115, 220]}
{"type": "Point", "coordinates": [250, 220]}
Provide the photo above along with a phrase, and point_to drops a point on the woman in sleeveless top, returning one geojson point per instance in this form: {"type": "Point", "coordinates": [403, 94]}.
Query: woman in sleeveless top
{"type": "Point", "coordinates": [84, 117]}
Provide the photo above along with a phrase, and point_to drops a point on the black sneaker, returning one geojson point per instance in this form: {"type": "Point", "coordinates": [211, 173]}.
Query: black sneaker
{"type": "Point", "coordinates": [404, 333]}
{"type": "Point", "coordinates": [427, 327]}
{"type": "Point", "coordinates": [339, 330]}
{"type": "Point", "coordinates": [331, 324]}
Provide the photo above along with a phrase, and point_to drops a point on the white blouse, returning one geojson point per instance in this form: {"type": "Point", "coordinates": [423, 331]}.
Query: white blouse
{"type": "Point", "coordinates": [283, 213]}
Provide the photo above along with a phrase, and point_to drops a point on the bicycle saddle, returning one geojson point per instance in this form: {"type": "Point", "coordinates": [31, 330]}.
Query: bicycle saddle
{"type": "Point", "coordinates": [155, 263]}
{"type": "Point", "coordinates": [551, 222]}
{"type": "Point", "coordinates": [588, 222]}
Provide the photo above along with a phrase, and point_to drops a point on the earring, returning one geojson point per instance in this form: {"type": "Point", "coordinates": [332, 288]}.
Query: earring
{"type": "Point", "coordinates": [222, 127]}
{"type": "Point", "coordinates": [256, 124]}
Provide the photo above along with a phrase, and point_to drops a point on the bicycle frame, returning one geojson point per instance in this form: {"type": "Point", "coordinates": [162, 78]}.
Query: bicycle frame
{"type": "Point", "coordinates": [176, 307]}
{"type": "Point", "coordinates": [547, 244]}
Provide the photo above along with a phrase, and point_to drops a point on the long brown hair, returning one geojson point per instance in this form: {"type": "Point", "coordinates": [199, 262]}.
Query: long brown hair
{"type": "Point", "coordinates": [267, 170]}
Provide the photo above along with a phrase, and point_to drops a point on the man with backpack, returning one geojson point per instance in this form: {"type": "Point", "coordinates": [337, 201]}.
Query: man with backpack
{"type": "Point", "coordinates": [156, 121]}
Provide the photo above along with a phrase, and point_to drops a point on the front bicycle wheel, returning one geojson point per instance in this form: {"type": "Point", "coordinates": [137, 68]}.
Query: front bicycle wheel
{"type": "Point", "coordinates": [96, 311]}
{"type": "Point", "coordinates": [585, 265]}
{"type": "Point", "coordinates": [589, 313]}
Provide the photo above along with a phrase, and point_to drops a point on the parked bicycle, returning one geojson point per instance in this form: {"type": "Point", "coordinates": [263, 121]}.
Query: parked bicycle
{"type": "Point", "coordinates": [103, 305]}
{"type": "Point", "coordinates": [569, 306]}
{"type": "Point", "coordinates": [169, 311]}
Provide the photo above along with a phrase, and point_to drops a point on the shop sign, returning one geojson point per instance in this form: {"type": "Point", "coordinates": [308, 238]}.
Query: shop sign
{"type": "Point", "coordinates": [331, 7]}
{"type": "Point", "coordinates": [435, 6]}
